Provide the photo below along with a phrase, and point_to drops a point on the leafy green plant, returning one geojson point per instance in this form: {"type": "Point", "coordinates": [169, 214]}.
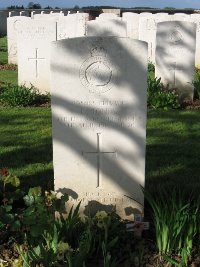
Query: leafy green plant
{"type": "Point", "coordinates": [39, 216]}
{"type": "Point", "coordinates": [107, 258]}
{"type": "Point", "coordinates": [18, 96]}
{"type": "Point", "coordinates": [175, 221]}
{"type": "Point", "coordinates": [196, 84]}
{"type": "Point", "coordinates": [151, 67]}
{"type": "Point", "coordinates": [71, 226]}
{"type": "Point", "coordinates": [159, 97]}
{"type": "Point", "coordinates": [8, 217]}
{"type": "Point", "coordinates": [51, 247]}
{"type": "Point", "coordinates": [106, 240]}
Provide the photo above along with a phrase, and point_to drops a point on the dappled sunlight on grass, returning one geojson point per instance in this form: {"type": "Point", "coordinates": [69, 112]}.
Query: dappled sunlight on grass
{"type": "Point", "coordinates": [26, 143]}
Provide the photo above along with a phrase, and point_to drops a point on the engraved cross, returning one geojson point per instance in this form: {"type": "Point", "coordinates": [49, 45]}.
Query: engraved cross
{"type": "Point", "coordinates": [174, 68]}
{"type": "Point", "coordinates": [36, 58]}
{"type": "Point", "coordinates": [98, 153]}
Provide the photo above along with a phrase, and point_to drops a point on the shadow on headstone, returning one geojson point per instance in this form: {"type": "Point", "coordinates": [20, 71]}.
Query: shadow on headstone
{"type": "Point", "coordinates": [94, 206]}
{"type": "Point", "coordinates": [129, 211]}
{"type": "Point", "coordinates": [69, 192]}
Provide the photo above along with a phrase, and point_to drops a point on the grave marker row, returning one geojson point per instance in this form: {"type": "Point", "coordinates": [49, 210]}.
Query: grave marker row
{"type": "Point", "coordinates": [69, 26]}
{"type": "Point", "coordinates": [99, 127]}
{"type": "Point", "coordinates": [62, 29]}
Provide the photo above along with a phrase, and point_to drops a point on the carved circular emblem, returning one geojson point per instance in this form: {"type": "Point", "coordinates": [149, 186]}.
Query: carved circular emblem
{"type": "Point", "coordinates": [96, 72]}
{"type": "Point", "coordinates": [176, 36]}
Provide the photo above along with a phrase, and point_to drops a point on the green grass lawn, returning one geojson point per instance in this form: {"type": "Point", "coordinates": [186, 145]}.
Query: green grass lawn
{"type": "Point", "coordinates": [26, 144]}
{"type": "Point", "coordinates": [173, 146]}
{"type": "Point", "coordinates": [172, 153]}
{"type": "Point", "coordinates": [6, 76]}
{"type": "Point", "coordinates": [3, 51]}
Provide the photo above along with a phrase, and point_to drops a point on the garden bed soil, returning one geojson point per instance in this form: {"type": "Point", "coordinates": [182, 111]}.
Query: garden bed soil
{"type": "Point", "coordinates": [8, 67]}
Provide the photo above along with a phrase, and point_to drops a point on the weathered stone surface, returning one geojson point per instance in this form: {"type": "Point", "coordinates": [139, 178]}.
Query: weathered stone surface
{"type": "Point", "coordinates": [175, 56]}
{"type": "Point", "coordinates": [72, 25]}
{"type": "Point", "coordinates": [106, 28]}
{"type": "Point", "coordinates": [132, 21]}
{"type": "Point", "coordinates": [13, 24]}
{"type": "Point", "coordinates": [196, 19]}
{"type": "Point", "coordinates": [107, 16]}
{"type": "Point", "coordinates": [99, 122]}
{"type": "Point", "coordinates": [34, 39]}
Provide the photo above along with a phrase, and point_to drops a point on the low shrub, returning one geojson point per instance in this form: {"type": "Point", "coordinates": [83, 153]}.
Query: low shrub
{"type": "Point", "coordinates": [18, 96]}
{"type": "Point", "coordinates": [21, 96]}
{"type": "Point", "coordinates": [160, 97]}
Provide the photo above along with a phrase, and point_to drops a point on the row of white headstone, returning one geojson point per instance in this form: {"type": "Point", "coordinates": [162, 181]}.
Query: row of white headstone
{"type": "Point", "coordinates": [73, 25]}
{"type": "Point", "coordinates": [99, 100]}
{"type": "Point", "coordinates": [137, 26]}
{"type": "Point", "coordinates": [99, 105]}
{"type": "Point", "coordinates": [29, 44]}
{"type": "Point", "coordinates": [4, 14]}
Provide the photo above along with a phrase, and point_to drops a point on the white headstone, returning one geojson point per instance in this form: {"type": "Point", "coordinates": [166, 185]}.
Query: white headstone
{"type": "Point", "coordinates": [147, 25]}
{"type": "Point", "coordinates": [175, 56]}
{"type": "Point", "coordinates": [145, 14]}
{"type": "Point", "coordinates": [34, 40]}
{"type": "Point", "coordinates": [132, 21]}
{"type": "Point", "coordinates": [71, 26]}
{"type": "Point", "coordinates": [196, 19]}
{"type": "Point", "coordinates": [143, 25]}
{"type": "Point", "coordinates": [150, 37]}
{"type": "Point", "coordinates": [53, 16]}
{"type": "Point", "coordinates": [161, 14]}
{"type": "Point", "coordinates": [99, 121]}
{"type": "Point", "coordinates": [13, 25]}
{"type": "Point", "coordinates": [105, 16]}
{"type": "Point", "coordinates": [179, 16]}
{"type": "Point", "coordinates": [41, 16]}
{"type": "Point", "coordinates": [106, 28]}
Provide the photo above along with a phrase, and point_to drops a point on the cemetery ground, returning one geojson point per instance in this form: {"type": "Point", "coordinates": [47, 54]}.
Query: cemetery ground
{"type": "Point", "coordinates": [31, 236]}
{"type": "Point", "coordinates": [8, 72]}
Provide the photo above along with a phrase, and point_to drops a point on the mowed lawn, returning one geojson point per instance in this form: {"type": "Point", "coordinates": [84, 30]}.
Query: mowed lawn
{"type": "Point", "coordinates": [26, 144]}
{"type": "Point", "coordinates": [172, 153]}
{"type": "Point", "coordinates": [3, 51]}
{"type": "Point", "coordinates": [173, 150]}
{"type": "Point", "coordinates": [8, 75]}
